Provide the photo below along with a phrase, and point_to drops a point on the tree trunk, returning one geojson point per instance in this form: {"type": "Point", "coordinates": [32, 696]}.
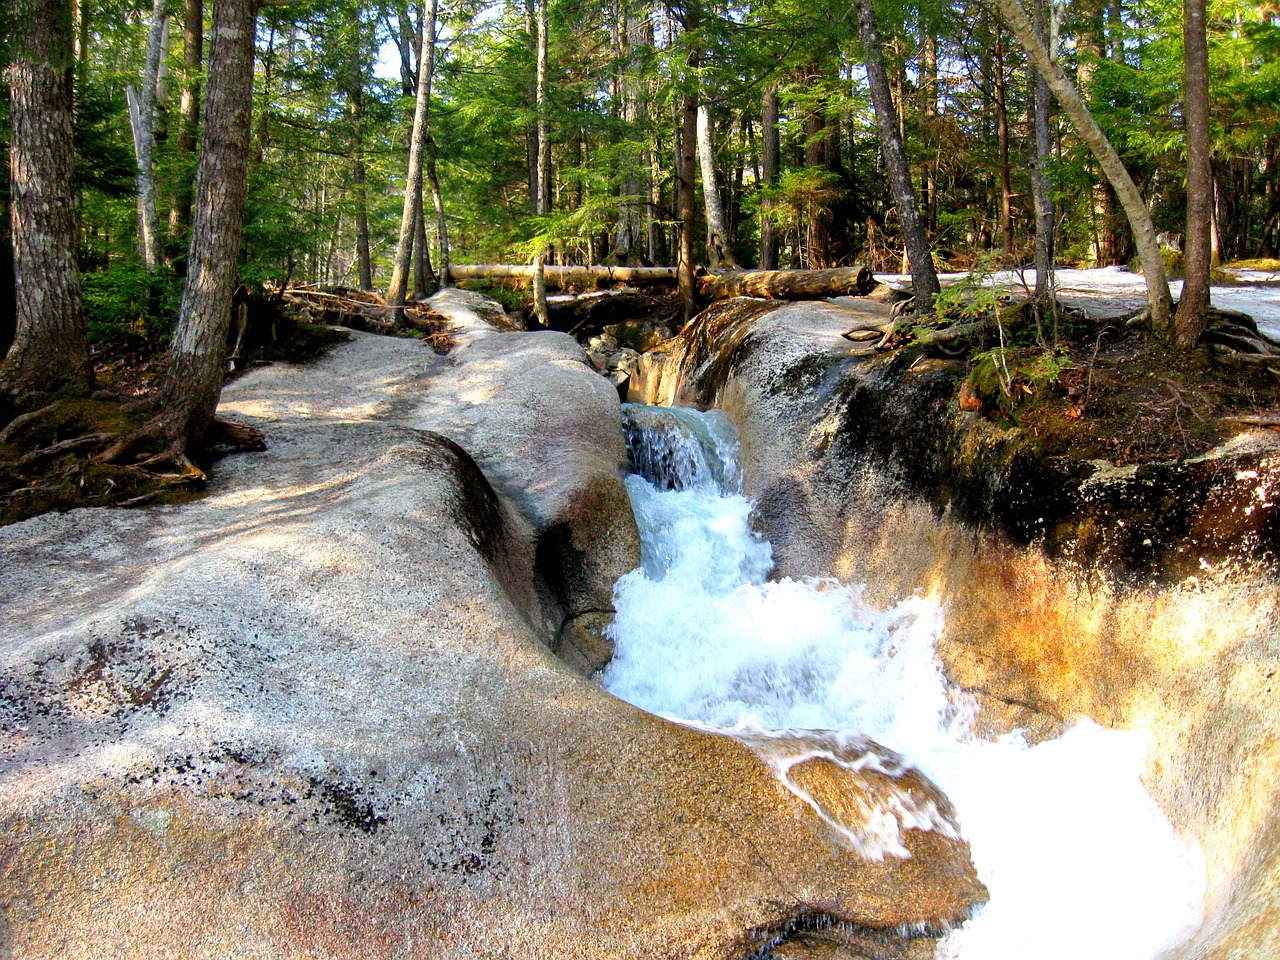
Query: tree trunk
{"type": "Point", "coordinates": [49, 353]}
{"type": "Point", "coordinates": [437, 202]}
{"type": "Point", "coordinates": [686, 213]}
{"type": "Point", "coordinates": [718, 252]}
{"type": "Point", "coordinates": [413, 179]}
{"type": "Point", "coordinates": [188, 110]}
{"type": "Point", "coordinates": [559, 276]}
{"type": "Point", "coordinates": [142, 116]}
{"type": "Point", "coordinates": [544, 123]}
{"type": "Point", "coordinates": [924, 279]}
{"type": "Point", "coordinates": [787, 284]}
{"type": "Point", "coordinates": [360, 195]}
{"type": "Point", "coordinates": [424, 281]}
{"type": "Point", "coordinates": [1002, 136]}
{"type": "Point", "coordinates": [1193, 307]}
{"type": "Point", "coordinates": [1041, 188]}
{"type": "Point", "coordinates": [769, 150]}
{"type": "Point", "coordinates": [188, 394]}
{"type": "Point", "coordinates": [1135, 208]}
{"type": "Point", "coordinates": [929, 114]}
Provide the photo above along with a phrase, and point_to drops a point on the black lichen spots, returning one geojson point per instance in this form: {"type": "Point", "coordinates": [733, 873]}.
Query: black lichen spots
{"type": "Point", "coordinates": [346, 803]}
{"type": "Point", "coordinates": [472, 833]}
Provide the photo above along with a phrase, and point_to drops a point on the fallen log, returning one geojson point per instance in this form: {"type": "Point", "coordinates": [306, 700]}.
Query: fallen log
{"type": "Point", "coordinates": [787, 284]}
{"type": "Point", "coordinates": [559, 277]}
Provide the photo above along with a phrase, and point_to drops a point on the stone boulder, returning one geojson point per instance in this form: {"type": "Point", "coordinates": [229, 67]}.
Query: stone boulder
{"type": "Point", "coordinates": [315, 713]}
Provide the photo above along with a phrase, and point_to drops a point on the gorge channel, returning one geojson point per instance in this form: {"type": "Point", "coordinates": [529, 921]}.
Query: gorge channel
{"type": "Point", "coordinates": [1078, 859]}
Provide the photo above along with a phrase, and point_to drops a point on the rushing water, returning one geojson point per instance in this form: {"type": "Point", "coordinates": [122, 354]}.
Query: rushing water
{"type": "Point", "coordinates": [1078, 859]}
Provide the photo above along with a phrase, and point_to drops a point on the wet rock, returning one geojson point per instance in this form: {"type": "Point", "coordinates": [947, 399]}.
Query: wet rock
{"type": "Point", "coordinates": [584, 643]}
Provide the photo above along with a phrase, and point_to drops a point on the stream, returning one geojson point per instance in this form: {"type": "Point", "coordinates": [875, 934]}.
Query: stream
{"type": "Point", "coordinates": [1078, 859]}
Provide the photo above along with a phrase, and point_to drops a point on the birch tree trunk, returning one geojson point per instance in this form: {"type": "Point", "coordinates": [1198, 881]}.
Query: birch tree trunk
{"type": "Point", "coordinates": [718, 252]}
{"type": "Point", "coordinates": [924, 279]}
{"type": "Point", "coordinates": [142, 117]}
{"type": "Point", "coordinates": [1193, 305]}
{"type": "Point", "coordinates": [49, 353]}
{"type": "Point", "coordinates": [188, 394]}
{"type": "Point", "coordinates": [544, 162]}
{"type": "Point", "coordinates": [544, 123]}
{"type": "Point", "coordinates": [397, 290]}
{"type": "Point", "coordinates": [1144, 233]}
{"type": "Point", "coordinates": [769, 150]}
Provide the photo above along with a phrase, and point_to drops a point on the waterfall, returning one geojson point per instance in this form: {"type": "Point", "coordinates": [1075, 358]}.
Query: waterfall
{"type": "Point", "coordinates": [1079, 860]}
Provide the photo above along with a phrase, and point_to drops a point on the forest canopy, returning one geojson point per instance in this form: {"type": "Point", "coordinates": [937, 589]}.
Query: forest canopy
{"type": "Point", "coordinates": [333, 104]}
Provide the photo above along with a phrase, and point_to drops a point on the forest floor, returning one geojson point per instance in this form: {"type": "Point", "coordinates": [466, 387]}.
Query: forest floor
{"type": "Point", "coordinates": [1107, 390]}
{"type": "Point", "coordinates": [1110, 390]}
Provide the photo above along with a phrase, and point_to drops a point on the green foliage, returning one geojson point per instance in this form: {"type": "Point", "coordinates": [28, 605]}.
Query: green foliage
{"type": "Point", "coordinates": [127, 308]}
{"type": "Point", "coordinates": [1006, 378]}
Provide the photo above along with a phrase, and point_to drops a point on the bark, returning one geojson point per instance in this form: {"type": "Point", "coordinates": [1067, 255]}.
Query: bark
{"type": "Point", "coordinates": [787, 284]}
{"type": "Point", "coordinates": [557, 277]}
{"type": "Point", "coordinates": [188, 107]}
{"type": "Point", "coordinates": [924, 279]}
{"type": "Point", "coordinates": [49, 353]}
{"type": "Point", "coordinates": [1193, 306]}
{"type": "Point", "coordinates": [543, 201]}
{"type": "Point", "coordinates": [769, 150]}
{"type": "Point", "coordinates": [718, 252]}
{"type": "Point", "coordinates": [685, 211]}
{"type": "Point", "coordinates": [188, 394]}
{"type": "Point", "coordinates": [1002, 136]}
{"type": "Point", "coordinates": [437, 202]}
{"type": "Point", "coordinates": [929, 113]}
{"type": "Point", "coordinates": [364, 265]}
{"type": "Point", "coordinates": [540, 100]}
{"type": "Point", "coordinates": [1144, 233]}
{"type": "Point", "coordinates": [424, 280]}
{"type": "Point", "coordinates": [1041, 188]}
{"type": "Point", "coordinates": [142, 116]}
{"type": "Point", "coordinates": [413, 179]}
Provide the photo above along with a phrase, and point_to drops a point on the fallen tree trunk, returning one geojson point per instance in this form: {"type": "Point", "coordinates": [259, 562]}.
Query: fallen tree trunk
{"type": "Point", "coordinates": [558, 277]}
{"type": "Point", "coordinates": [787, 284]}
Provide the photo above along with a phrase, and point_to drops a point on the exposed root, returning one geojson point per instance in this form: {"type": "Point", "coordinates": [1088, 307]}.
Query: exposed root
{"type": "Point", "coordinates": [74, 445]}
{"type": "Point", "coordinates": [13, 432]}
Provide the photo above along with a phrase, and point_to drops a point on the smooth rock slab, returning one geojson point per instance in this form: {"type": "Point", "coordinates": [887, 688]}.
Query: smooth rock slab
{"type": "Point", "coordinates": [311, 716]}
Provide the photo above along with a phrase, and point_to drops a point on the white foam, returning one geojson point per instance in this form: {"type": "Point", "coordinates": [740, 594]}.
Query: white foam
{"type": "Point", "coordinates": [1078, 859]}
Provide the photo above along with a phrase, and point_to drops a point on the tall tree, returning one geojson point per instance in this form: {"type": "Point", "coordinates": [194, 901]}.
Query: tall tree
{"type": "Point", "coordinates": [1193, 306]}
{"type": "Point", "coordinates": [187, 396]}
{"type": "Point", "coordinates": [1042, 197]}
{"type": "Point", "coordinates": [188, 107]}
{"type": "Point", "coordinates": [769, 150]}
{"type": "Point", "coordinates": [1159, 302]}
{"type": "Point", "coordinates": [542, 204]}
{"type": "Point", "coordinates": [413, 179]}
{"type": "Point", "coordinates": [49, 352]}
{"type": "Point", "coordinates": [142, 117]}
{"type": "Point", "coordinates": [719, 253]}
{"type": "Point", "coordinates": [924, 279]}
